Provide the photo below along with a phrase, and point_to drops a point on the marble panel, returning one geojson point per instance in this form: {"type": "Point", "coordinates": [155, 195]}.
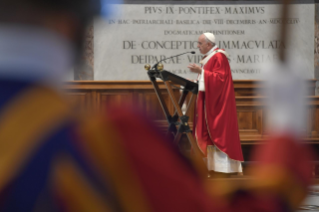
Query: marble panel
{"type": "Point", "coordinates": [147, 33]}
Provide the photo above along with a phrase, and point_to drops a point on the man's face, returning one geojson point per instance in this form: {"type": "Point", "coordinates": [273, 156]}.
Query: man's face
{"type": "Point", "coordinates": [202, 45]}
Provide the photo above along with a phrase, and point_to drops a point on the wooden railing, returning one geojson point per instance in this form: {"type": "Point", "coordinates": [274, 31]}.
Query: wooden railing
{"type": "Point", "coordinates": [251, 112]}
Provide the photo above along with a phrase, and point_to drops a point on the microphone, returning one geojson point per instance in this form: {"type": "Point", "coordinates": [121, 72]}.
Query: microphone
{"type": "Point", "coordinates": [192, 52]}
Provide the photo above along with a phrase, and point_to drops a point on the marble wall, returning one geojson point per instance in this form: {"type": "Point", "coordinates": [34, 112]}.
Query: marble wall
{"type": "Point", "coordinates": [92, 67]}
{"type": "Point", "coordinates": [316, 48]}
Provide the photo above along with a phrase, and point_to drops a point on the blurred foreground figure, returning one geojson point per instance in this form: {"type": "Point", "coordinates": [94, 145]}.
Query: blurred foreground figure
{"type": "Point", "coordinates": [51, 161]}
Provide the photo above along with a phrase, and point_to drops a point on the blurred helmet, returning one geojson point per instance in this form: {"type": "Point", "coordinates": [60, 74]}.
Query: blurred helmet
{"type": "Point", "coordinates": [84, 10]}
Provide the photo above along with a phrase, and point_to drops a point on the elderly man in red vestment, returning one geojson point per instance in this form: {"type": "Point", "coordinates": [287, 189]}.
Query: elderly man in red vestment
{"type": "Point", "coordinates": [215, 122]}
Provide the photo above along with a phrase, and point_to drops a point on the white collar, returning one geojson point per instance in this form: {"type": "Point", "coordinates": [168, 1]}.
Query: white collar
{"type": "Point", "coordinates": [208, 55]}
{"type": "Point", "coordinates": [211, 51]}
{"type": "Point", "coordinates": [34, 54]}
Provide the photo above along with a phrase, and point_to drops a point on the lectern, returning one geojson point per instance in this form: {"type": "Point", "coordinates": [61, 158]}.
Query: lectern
{"type": "Point", "coordinates": [178, 122]}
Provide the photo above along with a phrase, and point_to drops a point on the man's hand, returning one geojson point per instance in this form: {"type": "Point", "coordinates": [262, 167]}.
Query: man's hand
{"type": "Point", "coordinates": [195, 68]}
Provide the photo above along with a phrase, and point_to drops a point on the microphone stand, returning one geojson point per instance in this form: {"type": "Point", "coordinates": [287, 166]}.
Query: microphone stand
{"type": "Point", "coordinates": [154, 66]}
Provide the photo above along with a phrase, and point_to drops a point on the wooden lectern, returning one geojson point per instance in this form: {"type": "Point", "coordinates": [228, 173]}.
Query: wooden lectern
{"type": "Point", "coordinates": [178, 122]}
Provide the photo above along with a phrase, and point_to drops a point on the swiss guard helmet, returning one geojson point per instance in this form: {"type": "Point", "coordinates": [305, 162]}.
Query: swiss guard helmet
{"type": "Point", "coordinates": [85, 10]}
{"type": "Point", "coordinates": [31, 12]}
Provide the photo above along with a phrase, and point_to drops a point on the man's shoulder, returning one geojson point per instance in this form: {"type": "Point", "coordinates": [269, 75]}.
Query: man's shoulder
{"type": "Point", "coordinates": [220, 53]}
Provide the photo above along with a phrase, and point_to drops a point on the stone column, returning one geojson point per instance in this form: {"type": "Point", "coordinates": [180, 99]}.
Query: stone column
{"type": "Point", "coordinates": [316, 50]}
{"type": "Point", "coordinates": [86, 70]}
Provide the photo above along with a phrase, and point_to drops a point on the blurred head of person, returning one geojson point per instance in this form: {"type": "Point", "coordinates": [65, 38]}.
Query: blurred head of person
{"type": "Point", "coordinates": [68, 19]}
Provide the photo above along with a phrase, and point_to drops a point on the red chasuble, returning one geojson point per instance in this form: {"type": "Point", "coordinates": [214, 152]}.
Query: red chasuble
{"type": "Point", "coordinates": [215, 121]}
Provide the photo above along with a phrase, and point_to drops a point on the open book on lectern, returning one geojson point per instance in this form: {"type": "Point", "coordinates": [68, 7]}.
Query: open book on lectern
{"type": "Point", "coordinates": [168, 76]}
